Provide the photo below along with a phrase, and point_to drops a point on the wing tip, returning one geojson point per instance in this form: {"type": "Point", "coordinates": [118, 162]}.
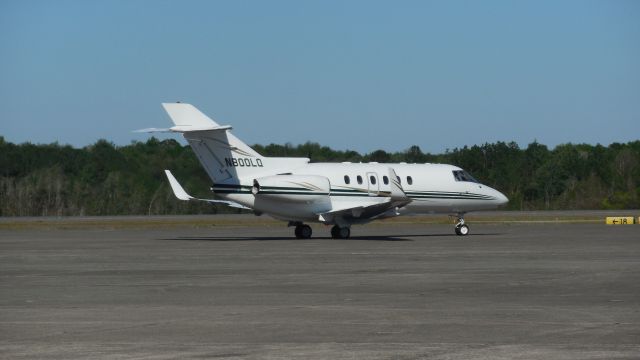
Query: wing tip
{"type": "Point", "coordinates": [177, 189]}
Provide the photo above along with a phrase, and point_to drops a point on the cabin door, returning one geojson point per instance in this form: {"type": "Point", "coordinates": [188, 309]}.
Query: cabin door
{"type": "Point", "coordinates": [373, 184]}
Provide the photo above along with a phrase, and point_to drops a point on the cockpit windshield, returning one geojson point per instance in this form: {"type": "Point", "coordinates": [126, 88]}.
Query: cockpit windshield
{"type": "Point", "coordinates": [461, 175]}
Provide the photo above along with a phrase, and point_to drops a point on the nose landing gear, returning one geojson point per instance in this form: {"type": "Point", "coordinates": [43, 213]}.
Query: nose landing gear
{"type": "Point", "coordinates": [461, 228]}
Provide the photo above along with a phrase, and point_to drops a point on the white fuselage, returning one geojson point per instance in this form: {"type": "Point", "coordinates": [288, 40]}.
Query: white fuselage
{"type": "Point", "coordinates": [342, 194]}
{"type": "Point", "coordinates": [428, 188]}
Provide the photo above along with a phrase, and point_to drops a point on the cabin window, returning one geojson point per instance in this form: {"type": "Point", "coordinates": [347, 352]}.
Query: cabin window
{"type": "Point", "coordinates": [409, 180]}
{"type": "Point", "coordinates": [359, 178]}
{"type": "Point", "coordinates": [461, 175]}
{"type": "Point", "coordinates": [399, 180]}
{"type": "Point", "coordinates": [385, 180]}
{"type": "Point", "coordinates": [373, 179]}
{"type": "Point", "coordinates": [346, 179]}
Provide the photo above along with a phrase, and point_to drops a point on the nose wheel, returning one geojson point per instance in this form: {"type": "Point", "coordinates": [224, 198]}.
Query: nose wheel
{"type": "Point", "coordinates": [338, 232]}
{"type": "Point", "coordinates": [461, 228]}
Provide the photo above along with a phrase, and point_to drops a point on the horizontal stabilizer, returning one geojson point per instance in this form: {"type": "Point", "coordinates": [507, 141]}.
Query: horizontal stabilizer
{"type": "Point", "coordinates": [152, 130]}
{"type": "Point", "coordinates": [187, 118]}
{"type": "Point", "coordinates": [179, 192]}
{"type": "Point", "coordinates": [183, 129]}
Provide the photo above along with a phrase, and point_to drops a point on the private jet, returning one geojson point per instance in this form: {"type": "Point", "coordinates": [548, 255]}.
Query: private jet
{"type": "Point", "coordinates": [298, 191]}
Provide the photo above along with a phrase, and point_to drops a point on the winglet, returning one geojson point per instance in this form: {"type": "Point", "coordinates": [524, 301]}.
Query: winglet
{"type": "Point", "coordinates": [178, 191]}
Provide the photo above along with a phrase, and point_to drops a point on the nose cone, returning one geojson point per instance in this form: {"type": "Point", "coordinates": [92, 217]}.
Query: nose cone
{"type": "Point", "coordinates": [501, 198]}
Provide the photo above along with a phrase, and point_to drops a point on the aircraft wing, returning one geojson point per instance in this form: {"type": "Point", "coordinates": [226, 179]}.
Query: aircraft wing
{"type": "Point", "coordinates": [179, 192]}
{"type": "Point", "coordinates": [360, 213]}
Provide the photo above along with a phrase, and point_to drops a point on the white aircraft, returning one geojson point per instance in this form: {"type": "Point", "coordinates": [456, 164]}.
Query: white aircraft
{"type": "Point", "coordinates": [338, 194]}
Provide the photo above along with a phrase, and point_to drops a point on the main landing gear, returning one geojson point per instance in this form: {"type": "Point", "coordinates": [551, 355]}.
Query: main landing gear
{"type": "Point", "coordinates": [461, 228]}
{"type": "Point", "coordinates": [302, 231]}
{"type": "Point", "coordinates": [338, 232]}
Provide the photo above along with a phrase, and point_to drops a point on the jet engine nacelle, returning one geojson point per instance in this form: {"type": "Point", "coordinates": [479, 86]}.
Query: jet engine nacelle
{"type": "Point", "coordinates": [292, 188]}
{"type": "Point", "coordinates": [305, 196]}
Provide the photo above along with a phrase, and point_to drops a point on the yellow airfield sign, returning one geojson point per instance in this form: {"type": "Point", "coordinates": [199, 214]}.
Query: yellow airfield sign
{"type": "Point", "coordinates": [620, 220]}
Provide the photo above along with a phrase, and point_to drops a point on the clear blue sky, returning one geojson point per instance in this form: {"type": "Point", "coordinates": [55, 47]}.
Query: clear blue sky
{"type": "Point", "coordinates": [359, 75]}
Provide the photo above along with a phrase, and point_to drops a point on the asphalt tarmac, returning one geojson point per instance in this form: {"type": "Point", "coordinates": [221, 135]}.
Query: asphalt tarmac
{"type": "Point", "coordinates": [393, 291]}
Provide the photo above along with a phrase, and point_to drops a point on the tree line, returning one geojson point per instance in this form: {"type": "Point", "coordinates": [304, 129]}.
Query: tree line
{"type": "Point", "coordinates": [105, 179]}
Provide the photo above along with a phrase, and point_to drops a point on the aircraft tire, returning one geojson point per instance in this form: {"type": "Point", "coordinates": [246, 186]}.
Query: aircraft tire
{"type": "Point", "coordinates": [462, 230]}
{"type": "Point", "coordinates": [340, 232]}
{"type": "Point", "coordinates": [335, 232]}
{"type": "Point", "coordinates": [303, 231]}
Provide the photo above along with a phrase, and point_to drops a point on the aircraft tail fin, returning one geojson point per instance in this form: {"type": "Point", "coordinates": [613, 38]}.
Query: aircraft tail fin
{"type": "Point", "coordinates": [187, 115]}
{"type": "Point", "coordinates": [225, 157]}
